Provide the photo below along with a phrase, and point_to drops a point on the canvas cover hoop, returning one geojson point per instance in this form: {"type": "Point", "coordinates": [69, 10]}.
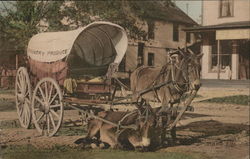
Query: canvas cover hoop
{"type": "Point", "coordinates": [54, 46]}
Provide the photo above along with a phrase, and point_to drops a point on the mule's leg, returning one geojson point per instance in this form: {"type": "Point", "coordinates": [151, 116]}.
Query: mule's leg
{"type": "Point", "coordinates": [135, 140]}
{"type": "Point", "coordinates": [165, 96]}
{"type": "Point", "coordinates": [173, 133]}
{"type": "Point", "coordinates": [108, 135]}
{"type": "Point", "coordinates": [93, 129]}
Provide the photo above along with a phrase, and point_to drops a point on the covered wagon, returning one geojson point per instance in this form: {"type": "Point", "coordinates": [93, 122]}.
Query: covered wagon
{"type": "Point", "coordinates": [68, 66]}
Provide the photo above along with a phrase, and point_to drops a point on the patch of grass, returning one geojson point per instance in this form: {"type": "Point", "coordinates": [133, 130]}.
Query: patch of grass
{"type": "Point", "coordinates": [71, 131]}
{"type": "Point", "coordinates": [6, 124]}
{"type": "Point", "coordinates": [7, 91]}
{"type": "Point", "coordinates": [7, 105]}
{"type": "Point", "coordinates": [185, 96]}
{"type": "Point", "coordinates": [237, 99]}
{"type": "Point", "coordinates": [65, 152]}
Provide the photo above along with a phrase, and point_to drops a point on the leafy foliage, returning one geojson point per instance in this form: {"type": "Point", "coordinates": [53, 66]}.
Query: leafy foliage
{"type": "Point", "coordinates": [20, 20]}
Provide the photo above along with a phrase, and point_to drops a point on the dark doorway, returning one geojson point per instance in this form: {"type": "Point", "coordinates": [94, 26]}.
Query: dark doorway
{"type": "Point", "coordinates": [140, 57]}
{"type": "Point", "coordinates": [244, 59]}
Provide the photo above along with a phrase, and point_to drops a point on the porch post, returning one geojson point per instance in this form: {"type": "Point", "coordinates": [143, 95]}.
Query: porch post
{"type": "Point", "coordinates": [218, 59]}
{"type": "Point", "coordinates": [235, 60]}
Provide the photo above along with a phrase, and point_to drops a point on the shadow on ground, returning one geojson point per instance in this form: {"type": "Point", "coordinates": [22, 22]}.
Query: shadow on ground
{"type": "Point", "coordinates": [7, 105]}
{"type": "Point", "coordinates": [206, 129]}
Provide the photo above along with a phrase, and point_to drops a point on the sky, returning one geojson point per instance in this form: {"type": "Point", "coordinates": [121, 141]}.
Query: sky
{"type": "Point", "coordinates": [191, 7]}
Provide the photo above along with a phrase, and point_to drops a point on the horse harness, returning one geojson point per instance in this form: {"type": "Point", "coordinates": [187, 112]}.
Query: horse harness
{"type": "Point", "coordinates": [171, 74]}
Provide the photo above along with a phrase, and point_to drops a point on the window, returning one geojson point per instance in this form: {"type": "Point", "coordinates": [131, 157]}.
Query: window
{"type": "Point", "coordinates": [151, 59]}
{"type": "Point", "coordinates": [226, 8]}
{"type": "Point", "coordinates": [140, 54]}
{"type": "Point", "coordinates": [175, 32]}
{"type": "Point", "coordinates": [188, 37]}
{"type": "Point", "coordinates": [151, 29]}
{"type": "Point", "coordinates": [225, 55]}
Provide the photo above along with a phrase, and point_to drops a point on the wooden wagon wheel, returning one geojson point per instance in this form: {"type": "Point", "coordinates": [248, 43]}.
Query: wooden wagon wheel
{"type": "Point", "coordinates": [47, 107]}
{"type": "Point", "coordinates": [23, 97]}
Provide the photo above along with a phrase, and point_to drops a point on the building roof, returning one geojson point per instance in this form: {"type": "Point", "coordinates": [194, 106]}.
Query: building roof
{"type": "Point", "coordinates": [231, 25]}
{"type": "Point", "coordinates": [156, 10]}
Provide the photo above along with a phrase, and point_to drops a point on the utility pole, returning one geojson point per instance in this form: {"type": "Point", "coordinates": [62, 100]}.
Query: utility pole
{"type": "Point", "coordinates": [187, 8]}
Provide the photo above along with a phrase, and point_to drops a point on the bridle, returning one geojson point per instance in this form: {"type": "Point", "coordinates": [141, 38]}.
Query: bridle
{"type": "Point", "coordinates": [189, 69]}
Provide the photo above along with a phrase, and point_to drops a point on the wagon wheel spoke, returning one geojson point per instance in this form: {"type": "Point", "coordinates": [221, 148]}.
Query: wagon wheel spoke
{"type": "Point", "coordinates": [20, 79]}
{"type": "Point", "coordinates": [22, 82]}
{"type": "Point", "coordinates": [54, 97]}
{"type": "Point", "coordinates": [54, 113]}
{"type": "Point", "coordinates": [46, 90]}
{"type": "Point", "coordinates": [18, 84]}
{"type": "Point", "coordinates": [50, 92]}
{"type": "Point", "coordinates": [52, 120]}
{"type": "Point", "coordinates": [39, 100]}
{"type": "Point", "coordinates": [55, 106]}
{"type": "Point", "coordinates": [26, 118]}
{"type": "Point", "coordinates": [21, 111]}
{"type": "Point", "coordinates": [48, 122]}
{"type": "Point", "coordinates": [36, 109]}
{"type": "Point", "coordinates": [23, 114]}
{"type": "Point", "coordinates": [26, 94]}
{"type": "Point", "coordinates": [41, 91]}
{"type": "Point", "coordinates": [40, 117]}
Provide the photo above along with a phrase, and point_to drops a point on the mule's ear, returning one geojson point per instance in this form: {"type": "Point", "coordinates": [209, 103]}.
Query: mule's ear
{"type": "Point", "coordinates": [200, 55]}
{"type": "Point", "coordinates": [173, 52]}
{"type": "Point", "coordinates": [181, 52]}
{"type": "Point", "coordinates": [191, 52]}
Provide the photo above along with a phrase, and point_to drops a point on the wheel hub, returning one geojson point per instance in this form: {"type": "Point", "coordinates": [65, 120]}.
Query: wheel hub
{"type": "Point", "coordinates": [46, 108]}
{"type": "Point", "coordinates": [21, 98]}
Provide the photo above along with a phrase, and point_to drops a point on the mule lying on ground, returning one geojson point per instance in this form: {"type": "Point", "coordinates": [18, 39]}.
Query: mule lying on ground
{"type": "Point", "coordinates": [145, 135]}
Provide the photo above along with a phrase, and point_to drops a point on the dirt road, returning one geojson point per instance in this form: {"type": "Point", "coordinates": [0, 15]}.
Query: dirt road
{"type": "Point", "coordinates": [217, 131]}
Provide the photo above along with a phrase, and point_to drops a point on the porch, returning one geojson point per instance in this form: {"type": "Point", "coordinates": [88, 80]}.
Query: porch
{"type": "Point", "coordinates": [226, 49]}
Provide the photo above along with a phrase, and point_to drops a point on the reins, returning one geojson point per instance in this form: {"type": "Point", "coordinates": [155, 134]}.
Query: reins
{"type": "Point", "coordinates": [174, 75]}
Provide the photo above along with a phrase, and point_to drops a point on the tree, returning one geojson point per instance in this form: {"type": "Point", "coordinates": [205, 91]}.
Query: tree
{"type": "Point", "coordinates": [20, 20]}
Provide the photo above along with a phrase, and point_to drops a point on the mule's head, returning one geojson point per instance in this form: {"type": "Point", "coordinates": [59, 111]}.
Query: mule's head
{"type": "Point", "coordinates": [194, 69]}
{"type": "Point", "coordinates": [147, 131]}
{"type": "Point", "coordinates": [191, 67]}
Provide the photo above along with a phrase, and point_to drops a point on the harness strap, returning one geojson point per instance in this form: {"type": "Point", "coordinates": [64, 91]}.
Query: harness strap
{"type": "Point", "coordinates": [125, 116]}
{"type": "Point", "coordinates": [163, 70]}
{"type": "Point", "coordinates": [177, 87]}
{"type": "Point", "coordinates": [119, 124]}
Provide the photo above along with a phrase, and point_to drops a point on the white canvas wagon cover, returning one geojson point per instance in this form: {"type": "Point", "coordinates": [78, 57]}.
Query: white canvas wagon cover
{"type": "Point", "coordinates": [97, 44]}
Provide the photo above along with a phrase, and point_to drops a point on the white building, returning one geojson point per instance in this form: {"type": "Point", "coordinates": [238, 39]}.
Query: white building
{"type": "Point", "coordinates": [226, 39]}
